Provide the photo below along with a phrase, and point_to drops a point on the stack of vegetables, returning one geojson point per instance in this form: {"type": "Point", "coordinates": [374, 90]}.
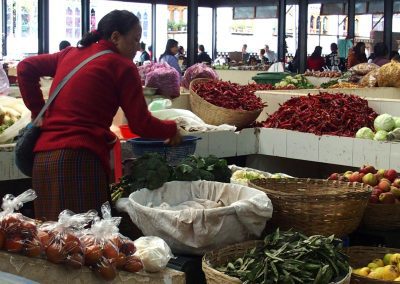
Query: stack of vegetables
{"type": "Point", "coordinates": [230, 95]}
{"type": "Point", "coordinates": [151, 171]}
{"type": "Point", "coordinates": [296, 82]}
{"type": "Point", "coordinates": [291, 257]}
{"type": "Point", "coordinates": [323, 114]}
{"type": "Point", "coordinates": [386, 127]}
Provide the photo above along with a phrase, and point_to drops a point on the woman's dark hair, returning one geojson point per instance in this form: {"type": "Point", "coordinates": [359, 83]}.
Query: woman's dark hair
{"type": "Point", "coordinates": [64, 44]}
{"type": "Point", "coordinates": [121, 21]}
{"type": "Point", "coordinates": [357, 50]}
{"type": "Point", "coordinates": [201, 48]}
{"type": "Point", "coordinates": [170, 44]}
{"type": "Point", "coordinates": [334, 46]}
{"type": "Point", "coordinates": [317, 52]}
{"type": "Point", "coordinates": [380, 49]}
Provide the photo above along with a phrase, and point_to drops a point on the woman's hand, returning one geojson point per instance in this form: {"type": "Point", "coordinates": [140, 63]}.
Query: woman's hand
{"type": "Point", "coordinates": [175, 140]}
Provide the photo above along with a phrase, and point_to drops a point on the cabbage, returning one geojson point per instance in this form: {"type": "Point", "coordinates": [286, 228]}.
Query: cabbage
{"type": "Point", "coordinates": [381, 135]}
{"type": "Point", "coordinates": [384, 122]}
{"type": "Point", "coordinates": [396, 121]}
{"type": "Point", "coordinates": [365, 133]}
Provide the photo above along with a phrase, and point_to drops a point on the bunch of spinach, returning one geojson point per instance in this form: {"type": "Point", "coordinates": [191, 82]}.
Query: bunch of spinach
{"type": "Point", "coordinates": [291, 257]}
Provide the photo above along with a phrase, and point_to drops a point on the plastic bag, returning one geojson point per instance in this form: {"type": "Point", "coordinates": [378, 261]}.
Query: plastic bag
{"type": "Point", "coordinates": [18, 233]}
{"type": "Point", "coordinates": [106, 250]}
{"type": "Point", "coordinates": [199, 70]}
{"type": "Point", "coordinates": [153, 252]}
{"type": "Point", "coordinates": [371, 79]}
{"type": "Point", "coordinates": [244, 213]}
{"type": "Point", "coordinates": [363, 68]}
{"type": "Point", "coordinates": [166, 80]}
{"type": "Point", "coordinates": [389, 74]}
{"type": "Point", "coordinates": [14, 109]}
{"type": "Point", "coordinates": [61, 241]}
{"type": "Point", "coordinates": [4, 83]}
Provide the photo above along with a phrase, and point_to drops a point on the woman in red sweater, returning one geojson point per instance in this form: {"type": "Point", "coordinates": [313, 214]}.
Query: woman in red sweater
{"type": "Point", "coordinates": [316, 61]}
{"type": "Point", "coordinates": [71, 165]}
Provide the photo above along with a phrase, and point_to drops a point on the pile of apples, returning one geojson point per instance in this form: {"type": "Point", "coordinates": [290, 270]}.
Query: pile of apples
{"type": "Point", "coordinates": [386, 183]}
{"type": "Point", "coordinates": [387, 268]}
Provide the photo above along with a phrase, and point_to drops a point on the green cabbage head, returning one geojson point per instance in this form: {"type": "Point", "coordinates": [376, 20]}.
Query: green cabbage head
{"type": "Point", "coordinates": [381, 135]}
{"type": "Point", "coordinates": [384, 122]}
{"type": "Point", "coordinates": [365, 133]}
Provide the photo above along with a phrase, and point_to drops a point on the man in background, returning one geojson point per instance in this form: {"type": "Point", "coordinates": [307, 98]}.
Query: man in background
{"type": "Point", "coordinates": [271, 56]}
{"type": "Point", "coordinates": [203, 56]}
{"type": "Point", "coordinates": [144, 56]}
{"type": "Point", "coordinates": [64, 44]}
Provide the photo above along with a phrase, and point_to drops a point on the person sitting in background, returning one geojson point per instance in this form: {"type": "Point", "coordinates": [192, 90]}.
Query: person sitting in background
{"type": "Point", "coordinates": [295, 63]}
{"type": "Point", "coordinates": [394, 55]}
{"type": "Point", "coordinates": [170, 55]}
{"type": "Point", "coordinates": [263, 58]}
{"type": "Point", "coordinates": [270, 54]}
{"type": "Point", "coordinates": [203, 56]}
{"type": "Point", "coordinates": [144, 56]}
{"type": "Point", "coordinates": [64, 44]}
{"type": "Point", "coordinates": [357, 55]}
{"type": "Point", "coordinates": [245, 55]}
{"type": "Point", "coordinates": [316, 61]}
{"type": "Point", "coordinates": [332, 60]}
{"type": "Point", "coordinates": [381, 54]}
{"type": "Point", "coordinates": [150, 51]}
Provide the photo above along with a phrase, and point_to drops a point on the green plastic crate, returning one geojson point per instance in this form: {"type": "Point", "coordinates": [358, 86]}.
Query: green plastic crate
{"type": "Point", "coordinates": [270, 77]}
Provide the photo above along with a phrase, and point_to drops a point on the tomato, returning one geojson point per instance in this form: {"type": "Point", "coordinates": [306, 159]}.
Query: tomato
{"type": "Point", "coordinates": [72, 244]}
{"type": "Point", "coordinates": [32, 248]}
{"type": "Point", "coordinates": [117, 241]}
{"type": "Point", "coordinates": [44, 238]}
{"type": "Point", "coordinates": [55, 253]}
{"type": "Point", "coordinates": [75, 260]}
{"type": "Point", "coordinates": [14, 243]}
{"type": "Point", "coordinates": [128, 247]}
{"type": "Point", "coordinates": [110, 251]}
{"type": "Point", "coordinates": [133, 264]}
{"type": "Point", "coordinates": [28, 226]}
{"type": "Point", "coordinates": [93, 254]}
{"type": "Point", "coordinates": [107, 271]}
{"type": "Point", "coordinates": [2, 238]}
{"type": "Point", "coordinates": [11, 222]}
{"type": "Point", "coordinates": [121, 260]}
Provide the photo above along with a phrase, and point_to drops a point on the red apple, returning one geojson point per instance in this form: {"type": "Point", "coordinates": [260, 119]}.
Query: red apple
{"type": "Point", "coordinates": [387, 198]}
{"type": "Point", "coordinates": [395, 191]}
{"type": "Point", "coordinates": [354, 177]}
{"type": "Point", "coordinates": [374, 199]}
{"type": "Point", "coordinates": [396, 182]}
{"type": "Point", "coordinates": [380, 174]}
{"type": "Point", "coordinates": [370, 179]}
{"type": "Point", "coordinates": [390, 175]}
{"type": "Point", "coordinates": [384, 185]}
{"type": "Point", "coordinates": [377, 191]}
{"type": "Point", "coordinates": [334, 176]}
{"type": "Point", "coordinates": [360, 177]}
{"type": "Point", "coordinates": [366, 169]}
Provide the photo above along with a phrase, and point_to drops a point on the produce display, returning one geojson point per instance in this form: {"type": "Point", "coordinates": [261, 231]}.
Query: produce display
{"type": "Point", "coordinates": [151, 171]}
{"type": "Point", "coordinates": [291, 257]}
{"type": "Point", "coordinates": [243, 176]}
{"type": "Point", "coordinates": [323, 114]}
{"type": "Point", "coordinates": [386, 128]}
{"type": "Point", "coordinates": [387, 268]}
{"type": "Point", "coordinates": [386, 183]}
{"type": "Point", "coordinates": [344, 85]}
{"type": "Point", "coordinates": [228, 95]}
{"type": "Point", "coordinates": [388, 75]}
{"type": "Point", "coordinates": [294, 82]}
{"type": "Point", "coordinates": [8, 116]}
{"type": "Point", "coordinates": [323, 74]}
{"type": "Point", "coordinates": [199, 70]}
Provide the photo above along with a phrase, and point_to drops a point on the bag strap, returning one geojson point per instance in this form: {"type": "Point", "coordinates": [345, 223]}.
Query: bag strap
{"type": "Point", "coordinates": [65, 80]}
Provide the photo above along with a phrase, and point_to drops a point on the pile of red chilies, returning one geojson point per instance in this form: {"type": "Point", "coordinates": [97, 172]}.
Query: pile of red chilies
{"type": "Point", "coordinates": [231, 95]}
{"type": "Point", "coordinates": [329, 114]}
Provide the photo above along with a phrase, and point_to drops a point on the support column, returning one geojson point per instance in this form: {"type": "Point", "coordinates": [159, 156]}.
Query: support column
{"type": "Point", "coordinates": [43, 26]}
{"type": "Point", "coordinates": [351, 17]}
{"type": "Point", "coordinates": [193, 6]}
{"type": "Point", "coordinates": [4, 27]}
{"type": "Point", "coordinates": [214, 33]}
{"type": "Point", "coordinates": [153, 31]}
{"type": "Point", "coordinates": [281, 30]}
{"type": "Point", "coordinates": [303, 27]}
{"type": "Point", "coordinates": [85, 14]}
{"type": "Point", "coordinates": [387, 24]}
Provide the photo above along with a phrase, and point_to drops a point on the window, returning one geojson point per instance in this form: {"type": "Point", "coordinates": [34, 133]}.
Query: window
{"type": "Point", "coordinates": [22, 28]}
{"type": "Point", "coordinates": [99, 8]}
{"type": "Point", "coordinates": [325, 25]}
{"type": "Point", "coordinates": [396, 26]}
{"type": "Point", "coordinates": [205, 29]}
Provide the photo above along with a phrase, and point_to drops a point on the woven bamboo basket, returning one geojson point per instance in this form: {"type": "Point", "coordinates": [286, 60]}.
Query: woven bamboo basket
{"type": "Point", "coordinates": [315, 206]}
{"type": "Point", "coordinates": [223, 256]}
{"type": "Point", "coordinates": [382, 217]}
{"type": "Point", "coordinates": [216, 115]}
{"type": "Point", "coordinates": [360, 256]}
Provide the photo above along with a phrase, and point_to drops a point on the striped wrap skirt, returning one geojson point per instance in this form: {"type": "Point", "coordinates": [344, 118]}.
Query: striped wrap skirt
{"type": "Point", "coordinates": [68, 179]}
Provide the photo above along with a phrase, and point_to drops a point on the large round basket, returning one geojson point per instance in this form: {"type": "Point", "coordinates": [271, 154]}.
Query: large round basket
{"type": "Point", "coordinates": [216, 115]}
{"type": "Point", "coordinates": [382, 217]}
{"type": "Point", "coordinates": [223, 256]}
{"type": "Point", "coordinates": [360, 256]}
{"type": "Point", "coordinates": [315, 206]}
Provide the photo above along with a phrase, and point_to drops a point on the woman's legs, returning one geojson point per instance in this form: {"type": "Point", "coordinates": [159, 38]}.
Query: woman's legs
{"type": "Point", "coordinates": [68, 179]}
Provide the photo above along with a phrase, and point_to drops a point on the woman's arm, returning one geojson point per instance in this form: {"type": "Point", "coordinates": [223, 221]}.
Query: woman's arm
{"type": "Point", "coordinates": [29, 72]}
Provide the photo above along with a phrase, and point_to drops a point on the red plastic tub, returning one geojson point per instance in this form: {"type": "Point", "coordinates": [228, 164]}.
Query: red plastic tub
{"type": "Point", "coordinates": [126, 132]}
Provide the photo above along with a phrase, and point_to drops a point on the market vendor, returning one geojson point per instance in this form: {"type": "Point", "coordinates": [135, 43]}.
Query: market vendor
{"type": "Point", "coordinates": [72, 161]}
{"type": "Point", "coordinates": [169, 55]}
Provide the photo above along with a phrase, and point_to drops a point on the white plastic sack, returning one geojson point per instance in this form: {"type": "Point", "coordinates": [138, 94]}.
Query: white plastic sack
{"type": "Point", "coordinates": [153, 252]}
{"type": "Point", "coordinates": [184, 118]}
{"type": "Point", "coordinates": [196, 231]}
{"type": "Point", "coordinates": [17, 105]}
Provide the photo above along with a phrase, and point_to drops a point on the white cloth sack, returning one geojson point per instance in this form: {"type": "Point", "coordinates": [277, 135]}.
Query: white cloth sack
{"type": "Point", "coordinates": [196, 231]}
{"type": "Point", "coordinates": [185, 119]}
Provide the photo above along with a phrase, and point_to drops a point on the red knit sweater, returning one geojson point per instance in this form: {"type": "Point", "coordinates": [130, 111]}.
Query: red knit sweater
{"type": "Point", "coordinates": [82, 113]}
